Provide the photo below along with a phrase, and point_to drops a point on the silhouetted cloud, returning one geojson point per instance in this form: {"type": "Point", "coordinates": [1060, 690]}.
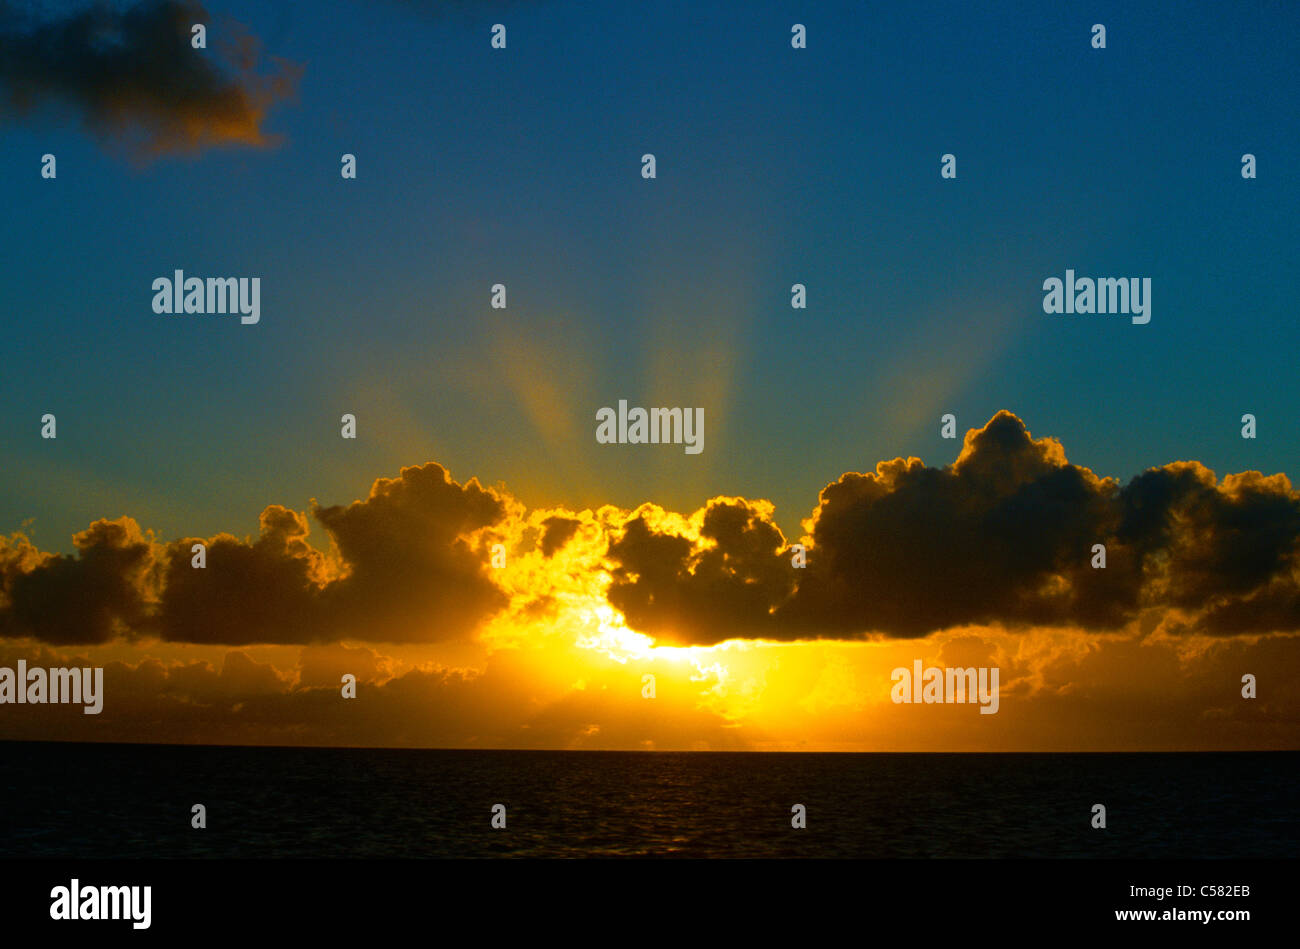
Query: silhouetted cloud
{"type": "Point", "coordinates": [415, 571]}
{"type": "Point", "coordinates": [409, 568]}
{"type": "Point", "coordinates": [90, 598]}
{"type": "Point", "coordinates": [135, 80]}
{"type": "Point", "coordinates": [1002, 537]}
{"type": "Point", "coordinates": [267, 591]}
{"type": "Point", "coordinates": [558, 531]}
{"type": "Point", "coordinates": [725, 586]}
{"type": "Point", "coordinates": [406, 572]}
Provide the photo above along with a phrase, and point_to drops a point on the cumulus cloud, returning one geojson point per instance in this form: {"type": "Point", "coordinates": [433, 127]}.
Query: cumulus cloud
{"type": "Point", "coordinates": [92, 597]}
{"type": "Point", "coordinates": [1001, 537]}
{"type": "Point", "coordinates": [267, 591]}
{"type": "Point", "coordinates": [724, 583]}
{"type": "Point", "coordinates": [415, 552]}
{"type": "Point", "coordinates": [134, 79]}
{"type": "Point", "coordinates": [408, 565]}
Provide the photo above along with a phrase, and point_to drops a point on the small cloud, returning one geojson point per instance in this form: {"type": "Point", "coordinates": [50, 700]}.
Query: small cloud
{"type": "Point", "coordinates": [135, 81]}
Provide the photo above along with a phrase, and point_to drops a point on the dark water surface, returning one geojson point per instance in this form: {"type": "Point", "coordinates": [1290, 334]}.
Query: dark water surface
{"type": "Point", "coordinates": [99, 800]}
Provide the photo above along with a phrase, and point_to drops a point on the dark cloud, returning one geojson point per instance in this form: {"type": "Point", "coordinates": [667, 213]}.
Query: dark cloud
{"type": "Point", "coordinates": [135, 80]}
{"type": "Point", "coordinates": [413, 575]}
{"type": "Point", "coordinates": [558, 531]}
{"type": "Point", "coordinates": [408, 569]}
{"type": "Point", "coordinates": [90, 598]}
{"type": "Point", "coordinates": [1222, 541]}
{"type": "Point", "coordinates": [264, 592]}
{"type": "Point", "coordinates": [407, 574]}
{"type": "Point", "coordinates": [1002, 536]}
{"type": "Point", "coordinates": [669, 587]}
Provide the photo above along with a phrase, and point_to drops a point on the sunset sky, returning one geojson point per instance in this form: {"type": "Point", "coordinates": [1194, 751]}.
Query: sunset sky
{"type": "Point", "coordinates": [476, 426]}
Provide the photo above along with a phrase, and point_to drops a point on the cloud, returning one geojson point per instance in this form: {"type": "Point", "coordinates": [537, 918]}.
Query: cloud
{"type": "Point", "coordinates": [558, 530]}
{"type": "Point", "coordinates": [408, 569]}
{"type": "Point", "coordinates": [524, 698]}
{"type": "Point", "coordinates": [136, 82]}
{"type": "Point", "coordinates": [408, 565]}
{"type": "Point", "coordinates": [1060, 690]}
{"type": "Point", "coordinates": [325, 666]}
{"type": "Point", "coordinates": [267, 591]}
{"type": "Point", "coordinates": [101, 593]}
{"type": "Point", "coordinates": [415, 552]}
{"type": "Point", "coordinates": [721, 582]}
{"type": "Point", "coordinates": [240, 679]}
{"type": "Point", "coordinates": [1003, 537]}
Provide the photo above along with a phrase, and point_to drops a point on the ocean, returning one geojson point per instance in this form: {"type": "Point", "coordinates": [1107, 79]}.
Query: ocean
{"type": "Point", "coordinates": [134, 801]}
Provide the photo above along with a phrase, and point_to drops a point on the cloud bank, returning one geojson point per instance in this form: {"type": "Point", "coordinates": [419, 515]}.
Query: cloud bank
{"type": "Point", "coordinates": [1003, 537]}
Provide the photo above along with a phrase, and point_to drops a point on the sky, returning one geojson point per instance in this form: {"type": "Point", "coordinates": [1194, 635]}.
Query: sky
{"type": "Point", "coordinates": [477, 426]}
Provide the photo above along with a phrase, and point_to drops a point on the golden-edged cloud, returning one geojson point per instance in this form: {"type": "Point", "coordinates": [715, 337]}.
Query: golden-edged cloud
{"type": "Point", "coordinates": [101, 593]}
{"type": "Point", "coordinates": [1003, 537]}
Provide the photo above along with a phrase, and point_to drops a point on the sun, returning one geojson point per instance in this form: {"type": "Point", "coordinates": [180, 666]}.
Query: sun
{"type": "Point", "coordinates": [611, 636]}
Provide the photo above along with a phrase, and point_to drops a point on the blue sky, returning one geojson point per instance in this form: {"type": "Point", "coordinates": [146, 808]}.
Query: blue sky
{"type": "Point", "coordinates": [775, 166]}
